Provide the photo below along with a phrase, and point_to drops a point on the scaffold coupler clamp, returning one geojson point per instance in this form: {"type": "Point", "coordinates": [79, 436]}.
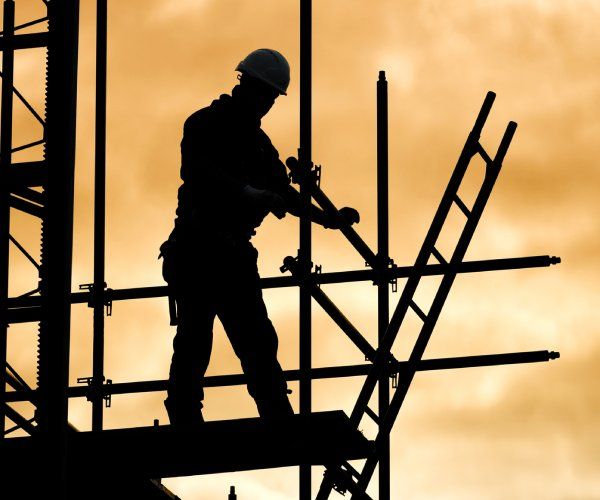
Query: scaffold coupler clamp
{"type": "Point", "coordinates": [394, 280]}
{"type": "Point", "coordinates": [96, 391]}
{"type": "Point", "coordinates": [289, 264]}
{"type": "Point", "coordinates": [394, 367]}
{"type": "Point", "coordinates": [106, 296]}
{"type": "Point", "coordinates": [382, 273]}
{"type": "Point", "coordinates": [294, 266]}
{"type": "Point", "coordinates": [317, 175]}
{"type": "Point", "coordinates": [303, 172]}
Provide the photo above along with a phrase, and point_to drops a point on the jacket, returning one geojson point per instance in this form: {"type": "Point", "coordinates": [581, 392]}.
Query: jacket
{"type": "Point", "coordinates": [222, 150]}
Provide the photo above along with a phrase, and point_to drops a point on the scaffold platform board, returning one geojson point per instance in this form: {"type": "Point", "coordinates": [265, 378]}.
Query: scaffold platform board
{"type": "Point", "coordinates": [213, 447]}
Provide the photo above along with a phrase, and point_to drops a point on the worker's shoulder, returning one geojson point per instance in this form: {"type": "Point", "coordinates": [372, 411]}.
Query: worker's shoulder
{"type": "Point", "coordinates": [199, 118]}
{"type": "Point", "coordinates": [207, 116]}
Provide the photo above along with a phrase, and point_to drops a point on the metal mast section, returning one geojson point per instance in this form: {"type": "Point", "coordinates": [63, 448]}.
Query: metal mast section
{"type": "Point", "coordinates": [53, 205]}
{"type": "Point", "coordinates": [57, 239]}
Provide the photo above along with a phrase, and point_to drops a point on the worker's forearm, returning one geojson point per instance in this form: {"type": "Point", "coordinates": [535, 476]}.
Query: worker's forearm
{"type": "Point", "coordinates": [316, 214]}
{"type": "Point", "coordinates": [295, 206]}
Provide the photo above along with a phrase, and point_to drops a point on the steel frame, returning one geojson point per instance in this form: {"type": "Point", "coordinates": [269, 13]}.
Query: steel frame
{"type": "Point", "coordinates": [49, 304]}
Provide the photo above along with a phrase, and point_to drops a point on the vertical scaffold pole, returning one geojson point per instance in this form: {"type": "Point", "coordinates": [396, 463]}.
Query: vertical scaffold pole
{"type": "Point", "coordinates": [99, 217]}
{"type": "Point", "coordinates": [5, 163]}
{"type": "Point", "coordinates": [383, 258]}
{"type": "Point", "coordinates": [304, 253]}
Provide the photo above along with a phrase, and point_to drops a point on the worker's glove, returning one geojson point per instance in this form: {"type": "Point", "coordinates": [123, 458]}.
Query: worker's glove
{"type": "Point", "coordinates": [347, 214]}
{"type": "Point", "coordinates": [263, 198]}
{"type": "Point", "coordinates": [298, 173]}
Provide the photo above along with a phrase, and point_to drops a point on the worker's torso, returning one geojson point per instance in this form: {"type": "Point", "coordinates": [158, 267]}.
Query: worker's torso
{"type": "Point", "coordinates": [238, 147]}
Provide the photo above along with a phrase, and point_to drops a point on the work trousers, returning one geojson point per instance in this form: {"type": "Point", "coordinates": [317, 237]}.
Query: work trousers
{"type": "Point", "coordinates": [223, 281]}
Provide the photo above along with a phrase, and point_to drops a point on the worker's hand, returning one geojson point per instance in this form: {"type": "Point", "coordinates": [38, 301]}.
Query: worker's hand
{"type": "Point", "coordinates": [297, 172]}
{"type": "Point", "coordinates": [263, 198]}
{"type": "Point", "coordinates": [348, 215]}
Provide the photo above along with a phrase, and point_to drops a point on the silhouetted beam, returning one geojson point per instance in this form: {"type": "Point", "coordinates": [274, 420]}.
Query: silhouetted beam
{"type": "Point", "coordinates": [316, 373]}
{"type": "Point", "coordinates": [14, 382]}
{"type": "Point", "coordinates": [19, 419]}
{"type": "Point", "coordinates": [31, 174]}
{"type": "Point", "coordinates": [287, 281]}
{"type": "Point", "coordinates": [476, 266]}
{"type": "Point", "coordinates": [383, 254]}
{"type": "Point", "coordinates": [26, 206]}
{"type": "Point", "coordinates": [24, 314]}
{"type": "Point", "coordinates": [29, 194]}
{"type": "Point", "coordinates": [28, 41]}
{"type": "Point", "coordinates": [212, 447]}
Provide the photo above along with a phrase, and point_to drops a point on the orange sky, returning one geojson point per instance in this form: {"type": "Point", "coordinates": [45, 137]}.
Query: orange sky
{"type": "Point", "coordinates": [527, 431]}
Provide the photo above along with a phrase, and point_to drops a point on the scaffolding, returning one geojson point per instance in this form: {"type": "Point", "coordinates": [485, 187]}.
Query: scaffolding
{"type": "Point", "coordinates": [132, 459]}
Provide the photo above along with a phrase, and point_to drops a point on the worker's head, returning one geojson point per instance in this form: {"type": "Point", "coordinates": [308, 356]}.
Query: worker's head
{"type": "Point", "coordinates": [265, 74]}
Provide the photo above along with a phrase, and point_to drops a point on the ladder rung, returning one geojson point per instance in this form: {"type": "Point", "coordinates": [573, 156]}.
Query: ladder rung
{"type": "Point", "coordinates": [462, 206]}
{"type": "Point", "coordinates": [438, 256]}
{"type": "Point", "coordinates": [483, 153]}
{"type": "Point", "coordinates": [372, 414]}
{"type": "Point", "coordinates": [418, 310]}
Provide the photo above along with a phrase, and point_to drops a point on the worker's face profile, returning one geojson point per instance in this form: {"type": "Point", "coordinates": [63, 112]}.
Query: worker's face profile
{"type": "Point", "coordinates": [264, 102]}
{"type": "Point", "coordinates": [262, 96]}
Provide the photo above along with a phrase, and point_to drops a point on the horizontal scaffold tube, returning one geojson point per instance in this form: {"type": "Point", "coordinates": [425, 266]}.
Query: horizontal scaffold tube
{"type": "Point", "coordinates": [316, 373]}
{"type": "Point", "coordinates": [18, 305]}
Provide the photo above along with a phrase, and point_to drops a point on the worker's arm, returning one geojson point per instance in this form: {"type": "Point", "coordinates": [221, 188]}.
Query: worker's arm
{"type": "Point", "coordinates": [295, 206]}
{"type": "Point", "coordinates": [288, 199]}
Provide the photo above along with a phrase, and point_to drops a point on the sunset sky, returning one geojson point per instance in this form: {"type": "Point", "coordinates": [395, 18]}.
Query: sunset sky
{"type": "Point", "coordinates": [521, 431]}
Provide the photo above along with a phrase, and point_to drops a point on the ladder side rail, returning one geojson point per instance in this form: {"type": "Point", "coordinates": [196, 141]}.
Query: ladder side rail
{"type": "Point", "coordinates": [492, 172]}
{"type": "Point", "coordinates": [386, 343]}
{"type": "Point", "coordinates": [410, 287]}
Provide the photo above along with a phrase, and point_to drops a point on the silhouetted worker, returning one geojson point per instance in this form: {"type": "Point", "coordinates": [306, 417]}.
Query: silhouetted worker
{"type": "Point", "coordinates": [232, 179]}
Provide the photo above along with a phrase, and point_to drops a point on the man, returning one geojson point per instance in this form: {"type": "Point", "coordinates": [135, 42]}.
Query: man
{"type": "Point", "coordinates": [232, 179]}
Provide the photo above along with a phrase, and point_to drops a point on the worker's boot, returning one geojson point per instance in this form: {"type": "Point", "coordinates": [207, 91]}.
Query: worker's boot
{"type": "Point", "coordinates": [184, 413]}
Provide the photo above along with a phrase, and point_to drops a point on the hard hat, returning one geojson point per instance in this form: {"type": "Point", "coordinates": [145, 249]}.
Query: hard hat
{"type": "Point", "coordinates": [269, 66]}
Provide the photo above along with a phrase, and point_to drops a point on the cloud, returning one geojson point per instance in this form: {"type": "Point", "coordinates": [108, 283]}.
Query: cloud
{"type": "Point", "coordinates": [169, 11]}
{"type": "Point", "coordinates": [464, 434]}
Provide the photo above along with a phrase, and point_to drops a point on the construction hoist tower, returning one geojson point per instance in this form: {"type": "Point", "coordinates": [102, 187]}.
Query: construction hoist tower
{"type": "Point", "coordinates": [58, 461]}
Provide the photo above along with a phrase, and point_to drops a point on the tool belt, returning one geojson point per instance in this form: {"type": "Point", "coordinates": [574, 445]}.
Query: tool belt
{"type": "Point", "coordinates": [182, 250]}
{"type": "Point", "coordinates": [168, 251]}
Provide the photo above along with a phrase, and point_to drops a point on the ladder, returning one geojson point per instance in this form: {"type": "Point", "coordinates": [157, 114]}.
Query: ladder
{"type": "Point", "coordinates": [343, 477]}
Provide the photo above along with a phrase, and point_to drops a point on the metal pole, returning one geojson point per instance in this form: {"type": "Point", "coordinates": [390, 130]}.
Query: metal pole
{"type": "Point", "coordinates": [304, 253]}
{"type": "Point", "coordinates": [99, 217]}
{"type": "Point", "coordinates": [5, 165]}
{"type": "Point", "coordinates": [383, 290]}
{"type": "Point", "coordinates": [24, 394]}
{"type": "Point", "coordinates": [57, 244]}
